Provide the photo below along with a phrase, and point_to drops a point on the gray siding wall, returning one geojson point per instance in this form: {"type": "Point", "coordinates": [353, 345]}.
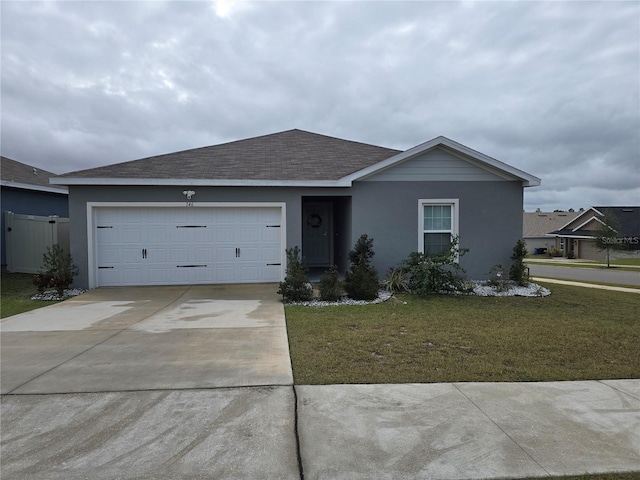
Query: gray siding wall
{"type": "Point", "coordinates": [490, 215]}
{"type": "Point", "coordinates": [436, 165]}
{"type": "Point", "coordinates": [490, 220]}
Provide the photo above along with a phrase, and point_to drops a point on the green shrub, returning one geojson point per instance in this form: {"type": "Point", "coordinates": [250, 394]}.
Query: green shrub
{"type": "Point", "coordinates": [296, 286]}
{"type": "Point", "coordinates": [396, 280]}
{"type": "Point", "coordinates": [361, 281]}
{"type": "Point", "coordinates": [330, 285]}
{"type": "Point", "coordinates": [498, 278]}
{"type": "Point", "coordinates": [518, 271]}
{"type": "Point", "coordinates": [57, 271]}
{"type": "Point", "coordinates": [436, 273]}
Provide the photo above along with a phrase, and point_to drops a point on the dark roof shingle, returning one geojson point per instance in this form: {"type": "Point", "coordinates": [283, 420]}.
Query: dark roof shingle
{"type": "Point", "coordinates": [12, 171]}
{"type": "Point", "coordinates": [288, 155]}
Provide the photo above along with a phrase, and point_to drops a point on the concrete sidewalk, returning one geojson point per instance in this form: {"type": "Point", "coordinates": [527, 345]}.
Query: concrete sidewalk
{"type": "Point", "coordinates": [469, 430]}
{"type": "Point", "coordinates": [586, 285]}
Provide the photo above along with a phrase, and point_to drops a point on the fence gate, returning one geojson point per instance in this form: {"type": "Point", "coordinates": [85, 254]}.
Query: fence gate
{"type": "Point", "coordinates": [27, 239]}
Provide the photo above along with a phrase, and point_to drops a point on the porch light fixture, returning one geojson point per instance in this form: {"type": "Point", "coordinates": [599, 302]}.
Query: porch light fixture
{"type": "Point", "coordinates": [189, 194]}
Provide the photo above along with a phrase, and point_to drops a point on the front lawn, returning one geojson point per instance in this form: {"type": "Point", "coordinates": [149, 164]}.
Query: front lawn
{"type": "Point", "coordinates": [574, 334]}
{"type": "Point", "coordinates": [16, 291]}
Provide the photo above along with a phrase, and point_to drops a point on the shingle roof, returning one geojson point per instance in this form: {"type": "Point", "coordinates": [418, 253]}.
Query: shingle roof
{"type": "Point", "coordinates": [627, 220]}
{"type": "Point", "coordinates": [21, 175]}
{"type": "Point", "coordinates": [288, 155]}
{"type": "Point", "coordinates": [538, 224]}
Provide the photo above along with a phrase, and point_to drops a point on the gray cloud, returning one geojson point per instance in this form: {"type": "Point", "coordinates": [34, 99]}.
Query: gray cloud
{"type": "Point", "coordinates": [551, 88]}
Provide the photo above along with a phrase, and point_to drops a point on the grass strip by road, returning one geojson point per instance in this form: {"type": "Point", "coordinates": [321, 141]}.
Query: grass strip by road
{"type": "Point", "coordinates": [16, 291]}
{"type": "Point", "coordinates": [617, 268]}
{"type": "Point", "coordinates": [597, 476]}
{"type": "Point", "coordinates": [578, 283]}
{"type": "Point", "coordinates": [574, 334]}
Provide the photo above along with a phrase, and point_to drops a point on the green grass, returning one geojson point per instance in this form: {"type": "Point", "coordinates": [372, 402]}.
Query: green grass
{"type": "Point", "coordinates": [619, 267]}
{"type": "Point", "coordinates": [574, 334]}
{"type": "Point", "coordinates": [597, 476]}
{"type": "Point", "coordinates": [15, 294]}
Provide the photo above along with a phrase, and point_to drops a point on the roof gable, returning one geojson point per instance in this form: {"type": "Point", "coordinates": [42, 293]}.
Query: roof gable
{"type": "Point", "coordinates": [469, 155]}
{"type": "Point", "coordinates": [627, 220]}
{"type": "Point", "coordinates": [438, 164]}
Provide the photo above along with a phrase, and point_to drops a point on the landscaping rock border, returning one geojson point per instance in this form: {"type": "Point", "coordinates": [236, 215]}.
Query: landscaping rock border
{"type": "Point", "coordinates": [480, 289]}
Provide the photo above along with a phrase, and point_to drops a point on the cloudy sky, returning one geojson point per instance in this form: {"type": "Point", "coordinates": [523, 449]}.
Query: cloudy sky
{"type": "Point", "coordinates": [551, 88]}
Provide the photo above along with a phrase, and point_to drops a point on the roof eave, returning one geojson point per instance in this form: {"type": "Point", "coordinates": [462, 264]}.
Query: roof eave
{"type": "Point", "coordinates": [38, 188]}
{"type": "Point", "coordinates": [197, 182]}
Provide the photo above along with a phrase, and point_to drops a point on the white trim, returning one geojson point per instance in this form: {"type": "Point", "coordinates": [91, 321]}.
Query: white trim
{"type": "Point", "coordinates": [38, 188]}
{"type": "Point", "coordinates": [578, 216]}
{"type": "Point", "coordinates": [92, 259]}
{"type": "Point", "coordinates": [455, 217]}
{"type": "Point", "coordinates": [482, 159]}
{"type": "Point", "coordinates": [199, 182]}
{"type": "Point", "coordinates": [592, 218]}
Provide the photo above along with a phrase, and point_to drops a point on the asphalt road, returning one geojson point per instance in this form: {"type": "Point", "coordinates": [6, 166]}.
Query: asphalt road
{"type": "Point", "coordinates": [601, 275]}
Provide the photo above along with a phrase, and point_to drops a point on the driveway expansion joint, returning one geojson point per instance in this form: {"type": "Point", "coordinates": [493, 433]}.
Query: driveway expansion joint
{"type": "Point", "coordinates": [501, 429]}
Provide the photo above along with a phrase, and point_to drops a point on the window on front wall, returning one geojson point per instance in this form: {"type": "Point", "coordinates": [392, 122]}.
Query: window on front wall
{"type": "Point", "coordinates": [438, 224]}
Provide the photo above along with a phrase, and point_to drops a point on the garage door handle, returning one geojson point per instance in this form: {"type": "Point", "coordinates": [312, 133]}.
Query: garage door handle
{"type": "Point", "coordinates": [144, 253]}
{"type": "Point", "coordinates": [237, 253]}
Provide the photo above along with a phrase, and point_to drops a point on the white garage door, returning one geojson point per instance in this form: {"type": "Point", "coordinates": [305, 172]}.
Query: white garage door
{"type": "Point", "coordinates": [187, 245]}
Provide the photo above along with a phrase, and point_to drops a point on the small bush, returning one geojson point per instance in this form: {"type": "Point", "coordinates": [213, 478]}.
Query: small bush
{"type": "Point", "coordinates": [498, 278]}
{"type": "Point", "coordinates": [518, 271]}
{"type": "Point", "coordinates": [296, 286]}
{"type": "Point", "coordinates": [361, 281]}
{"type": "Point", "coordinates": [330, 285]}
{"type": "Point", "coordinates": [436, 273]}
{"type": "Point", "coordinates": [57, 272]}
{"type": "Point", "coordinates": [396, 280]}
{"type": "Point", "coordinates": [554, 252]}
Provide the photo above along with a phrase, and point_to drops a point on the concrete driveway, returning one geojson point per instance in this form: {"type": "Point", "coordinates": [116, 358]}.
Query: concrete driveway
{"type": "Point", "coordinates": [150, 383]}
{"type": "Point", "coordinates": [149, 338]}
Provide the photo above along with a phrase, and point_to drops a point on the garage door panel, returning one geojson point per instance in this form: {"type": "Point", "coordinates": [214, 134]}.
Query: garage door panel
{"type": "Point", "coordinates": [249, 254]}
{"type": "Point", "coordinates": [155, 246]}
{"type": "Point", "coordinates": [270, 254]}
{"type": "Point", "coordinates": [205, 255]}
{"type": "Point", "coordinates": [224, 234]}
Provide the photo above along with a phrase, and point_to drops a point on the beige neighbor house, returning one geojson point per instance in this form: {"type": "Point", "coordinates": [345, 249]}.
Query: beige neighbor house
{"type": "Point", "coordinates": [576, 237]}
{"type": "Point", "coordinates": [537, 225]}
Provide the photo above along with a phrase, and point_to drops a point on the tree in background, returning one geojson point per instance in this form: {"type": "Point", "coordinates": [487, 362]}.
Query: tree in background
{"type": "Point", "coordinates": [606, 237]}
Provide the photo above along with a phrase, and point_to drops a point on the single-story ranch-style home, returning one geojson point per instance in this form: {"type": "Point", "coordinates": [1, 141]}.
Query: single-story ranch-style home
{"type": "Point", "coordinates": [226, 213]}
{"type": "Point", "coordinates": [576, 238]}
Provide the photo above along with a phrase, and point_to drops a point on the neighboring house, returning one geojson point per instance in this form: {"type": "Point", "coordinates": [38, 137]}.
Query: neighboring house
{"type": "Point", "coordinates": [26, 190]}
{"type": "Point", "coordinates": [536, 226]}
{"type": "Point", "coordinates": [576, 237]}
{"type": "Point", "coordinates": [226, 213]}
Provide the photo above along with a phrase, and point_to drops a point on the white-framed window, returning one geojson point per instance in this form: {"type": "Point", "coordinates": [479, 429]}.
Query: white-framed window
{"type": "Point", "coordinates": [437, 223]}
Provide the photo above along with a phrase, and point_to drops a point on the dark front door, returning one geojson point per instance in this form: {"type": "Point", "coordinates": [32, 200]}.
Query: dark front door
{"type": "Point", "coordinates": [317, 234]}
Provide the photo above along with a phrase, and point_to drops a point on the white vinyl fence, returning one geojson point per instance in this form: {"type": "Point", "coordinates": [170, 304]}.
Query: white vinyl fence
{"type": "Point", "coordinates": [27, 239]}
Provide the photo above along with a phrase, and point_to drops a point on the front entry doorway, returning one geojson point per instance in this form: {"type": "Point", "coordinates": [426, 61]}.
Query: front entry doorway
{"type": "Point", "coordinates": [317, 234]}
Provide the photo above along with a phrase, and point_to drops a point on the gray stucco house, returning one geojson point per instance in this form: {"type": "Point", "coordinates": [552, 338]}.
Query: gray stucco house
{"type": "Point", "coordinates": [26, 190]}
{"type": "Point", "coordinates": [226, 213]}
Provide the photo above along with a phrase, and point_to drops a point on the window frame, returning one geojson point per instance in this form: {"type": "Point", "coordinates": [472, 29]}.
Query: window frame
{"type": "Point", "coordinates": [454, 203]}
